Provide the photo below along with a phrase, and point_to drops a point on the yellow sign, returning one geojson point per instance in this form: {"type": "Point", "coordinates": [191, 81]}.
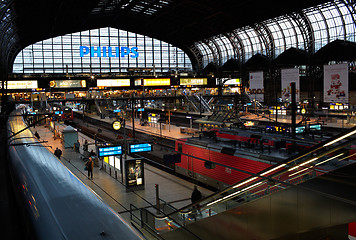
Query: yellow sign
{"type": "Point", "coordinates": [193, 81]}
{"type": "Point", "coordinates": [25, 84]}
{"type": "Point", "coordinates": [116, 125]}
{"type": "Point", "coordinates": [113, 82]}
{"type": "Point", "coordinates": [157, 82]}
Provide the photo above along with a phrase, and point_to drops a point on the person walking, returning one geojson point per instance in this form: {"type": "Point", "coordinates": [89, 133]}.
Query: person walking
{"type": "Point", "coordinates": [58, 153]}
{"type": "Point", "coordinates": [37, 135]}
{"type": "Point", "coordinates": [90, 166]}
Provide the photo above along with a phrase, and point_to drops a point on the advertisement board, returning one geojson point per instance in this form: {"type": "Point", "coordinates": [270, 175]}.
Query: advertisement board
{"type": "Point", "coordinates": [193, 81]}
{"type": "Point", "coordinates": [288, 76]}
{"type": "Point", "coordinates": [153, 82]}
{"type": "Point", "coordinates": [234, 81]}
{"type": "Point", "coordinates": [336, 83]}
{"type": "Point", "coordinates": [113, 83]}
{"type": "Point", "coordinates": [256, 86]}
{"type": "Point", "coordinates": [134, 170]}
{"type": "Point", "coordinates": [24, 84]}
{"type": "Point", "coordinates": [67, 83]}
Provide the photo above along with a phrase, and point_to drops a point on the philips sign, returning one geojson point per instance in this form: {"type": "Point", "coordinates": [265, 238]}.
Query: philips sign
{"type": "Point", "coordinates": [109, 51]}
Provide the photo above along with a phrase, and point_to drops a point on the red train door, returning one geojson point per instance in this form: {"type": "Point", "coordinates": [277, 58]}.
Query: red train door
{"type": "Point", "coordinates": [190, 166]}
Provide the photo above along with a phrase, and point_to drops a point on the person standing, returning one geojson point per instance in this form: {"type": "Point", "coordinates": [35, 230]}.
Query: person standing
{"type": "Point", "coordinates": [58, 153]}
{"type": "Point", "coordinates": [77, 146]}
{"type": "Point", "coordinates": [90, 166]}
{"type": "Point", "coordinates": [196, 196]}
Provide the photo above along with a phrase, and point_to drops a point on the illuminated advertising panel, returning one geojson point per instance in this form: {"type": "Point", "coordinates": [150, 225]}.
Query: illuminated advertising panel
{"type": "Point", "coordinates": [336, 83]}
{"type": "Point", "coordinates": [134, 173]}
{"type": "Point", "coordinates": [67, 83]}
{"type": "Point", "coordinates": [155, 82]}
{"type": "Point", "coordinates": [235, 81]}
{"type": "Point", "coordinates": [256, 86]}
{"type": "Point", "coordinates": [113, 82]}
{"type": "Point", "coordinates": [287, 77]}
{"type": "Point", "coordinates": [193, 81]}
{"type": "Point", "coordinates": [28, 84]}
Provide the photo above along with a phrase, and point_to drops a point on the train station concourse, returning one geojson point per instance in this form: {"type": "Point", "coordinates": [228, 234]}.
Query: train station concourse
{"type": "Point", "coordinates": [166, 119]}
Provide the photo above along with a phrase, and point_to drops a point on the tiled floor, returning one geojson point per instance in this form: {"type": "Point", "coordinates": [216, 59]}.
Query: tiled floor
{"type": "Point", "coordinates": [113, 192]}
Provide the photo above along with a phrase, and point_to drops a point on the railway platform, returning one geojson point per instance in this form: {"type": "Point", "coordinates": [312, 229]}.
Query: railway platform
{"type": "Point", "coordinates": [172, 189]}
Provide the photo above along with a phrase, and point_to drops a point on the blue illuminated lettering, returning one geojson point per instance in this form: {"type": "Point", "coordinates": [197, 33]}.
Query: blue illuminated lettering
{"type": "Point", "coordinates": [110, 52]}
{"type": "Point", "coordinates": [107, 51]}
{"type": "Point", "coordinates": [97, 51]}
{"type": "Point", "coordinates": [104, 51]}
{"type": "Point", "coordinates": [125, 51]}
{"type": "Point", "coordinates": [117, 50]}
{"type": "Point", "coordinates": [134, 51]}
{"type": "Point", "coordinates": [84, 51]}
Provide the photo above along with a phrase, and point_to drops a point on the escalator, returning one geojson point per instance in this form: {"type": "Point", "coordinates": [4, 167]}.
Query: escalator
{"type": "Point", "coordinates": [309, 191]}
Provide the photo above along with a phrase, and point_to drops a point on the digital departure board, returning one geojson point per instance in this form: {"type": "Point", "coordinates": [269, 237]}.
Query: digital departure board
{"type": "Point", "coordinates": [142, 147]}
{"type": "Point", "coordinates": [109, 151]}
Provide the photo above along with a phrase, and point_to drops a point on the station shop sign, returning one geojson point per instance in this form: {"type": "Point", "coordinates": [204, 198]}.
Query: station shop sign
{"type": "Point", "coordinates": [113, 83]}
{"type": "Point", "coordinates": [23, 84]}
{"type": "Point", "coordinates": [193, 81]}
{"type": "Point", "coordinates": [338, 106]}
{"type": "Point", "coordinates": [153, 82]}
{"type": "Point", "coordinates": [228, 81]}
{"type": "Point", "coordinates": [108, 51]}
{"type": "Point", "coordinates": [68, 84]}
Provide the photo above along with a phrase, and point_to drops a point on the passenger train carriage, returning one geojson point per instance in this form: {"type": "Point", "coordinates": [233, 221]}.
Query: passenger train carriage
{"type": "Point", "coordinates": [227, 150]}
{"type": "Point", "coordinates": [60, 206]}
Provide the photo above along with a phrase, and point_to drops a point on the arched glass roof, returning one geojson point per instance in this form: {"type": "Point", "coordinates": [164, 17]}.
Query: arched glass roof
{"type": "Point", "coordinates": [63, 53]}
{"type": "Point", "coordinates": [309, 30]}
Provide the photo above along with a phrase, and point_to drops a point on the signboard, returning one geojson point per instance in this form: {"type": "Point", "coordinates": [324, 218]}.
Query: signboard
{"type": "Point", "coordinates": [256, 86]}
{"type": "Point", "coordinates": [193, 81]}
{"type": "Point", "coordinates": [336, 83]}
{"type": "Point", "coordinates": [235, 81]}
{"type": "Point", "coordinates": [142, 147]}
{"type": "Point", "coordinates": [27, 84]}
{"type": "Point", "coordinates": [153, 82]}
{"type": "Point", "coordinates": [299, 129]}
{"type": "Point", "coordinates": [153, 117]}
{"type": "Point", "coordinates": [288, 76]}
{"type": "Point", "coordinates": [140, 110]}
{"type": "Point", "coordinates": [315, 127]}
{"type": "Point", "coordinates": [134, 170]}
{"type": "Point", "coordinates": [109, 151]}
{"type": "Point", "coordinates": [113, 83]}
{"type": "Point", "coordinates": [108, 51]}
{"type": "Point", "coordinates": [67, 83]}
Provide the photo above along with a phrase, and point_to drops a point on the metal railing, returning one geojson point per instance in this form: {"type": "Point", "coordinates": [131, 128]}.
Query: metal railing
{"type": "Point", "coordinates": [316, 161]}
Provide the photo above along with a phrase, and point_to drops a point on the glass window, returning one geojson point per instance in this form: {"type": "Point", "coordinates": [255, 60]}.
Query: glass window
{"type": "Point", "coordinates": [51, 55]}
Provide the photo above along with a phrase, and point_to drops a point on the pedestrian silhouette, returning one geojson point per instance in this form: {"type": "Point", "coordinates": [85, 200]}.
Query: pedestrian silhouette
{"type": "Point", "coordinates": [37, 135]}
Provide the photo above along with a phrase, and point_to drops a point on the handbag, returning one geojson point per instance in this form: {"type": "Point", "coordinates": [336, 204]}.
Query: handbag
{"type": "Point", "coordinates": [85, 168]}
